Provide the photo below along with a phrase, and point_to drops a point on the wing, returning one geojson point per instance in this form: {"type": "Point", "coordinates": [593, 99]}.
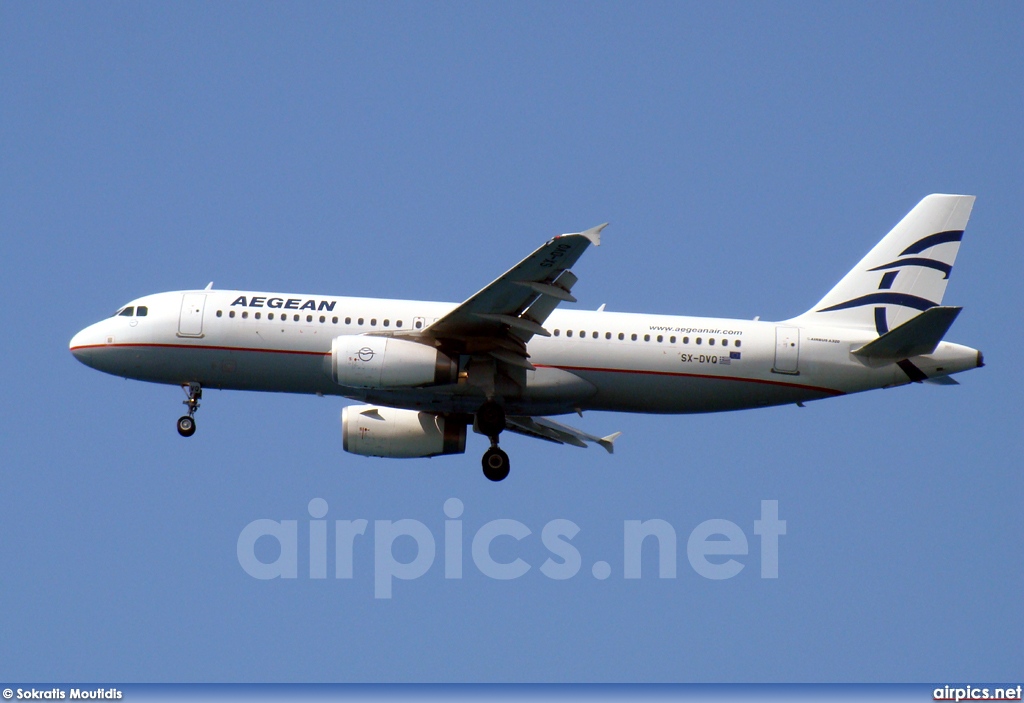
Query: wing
{"type": "Point", "coordinates": [500, 319]}
{"type": "Point", "coordinates": [543, 428]}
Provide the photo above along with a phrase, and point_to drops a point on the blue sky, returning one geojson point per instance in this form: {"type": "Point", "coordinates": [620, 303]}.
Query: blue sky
{"type": "Point", "coordinates": [747, 155]}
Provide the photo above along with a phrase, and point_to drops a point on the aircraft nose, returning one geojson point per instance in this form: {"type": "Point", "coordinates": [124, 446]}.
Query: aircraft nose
{"type": "Point", "coordinates": [76, 344]}
{"type": "Point", "coordinates": [83, 342]}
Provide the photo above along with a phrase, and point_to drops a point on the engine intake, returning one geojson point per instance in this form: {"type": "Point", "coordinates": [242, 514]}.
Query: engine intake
{"type": "Point", "coordinates": [383, 362]}
{"type": "Point", "coordinates": [369, 430]}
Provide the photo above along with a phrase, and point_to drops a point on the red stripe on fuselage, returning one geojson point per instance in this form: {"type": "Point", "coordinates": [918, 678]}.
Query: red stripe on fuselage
{"type": "Point", "coordinates": [678, 374]}
{"type": "Point", "coordinates": [200, 346]}
{"type": "Point", "coordinates": [801, 386]}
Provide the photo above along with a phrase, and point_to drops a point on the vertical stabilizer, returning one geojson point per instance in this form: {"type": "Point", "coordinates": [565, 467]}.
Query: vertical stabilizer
{"type": "Point", "coordinates": [904, 275]}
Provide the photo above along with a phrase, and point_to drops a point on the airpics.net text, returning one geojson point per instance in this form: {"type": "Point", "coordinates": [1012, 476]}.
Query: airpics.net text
{"type": "Point", "coordinates": [713, 548]}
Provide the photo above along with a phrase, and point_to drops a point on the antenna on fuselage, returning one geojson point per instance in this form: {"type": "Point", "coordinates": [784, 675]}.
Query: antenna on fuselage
{"type": "Point", "coordinates": [209, 286]}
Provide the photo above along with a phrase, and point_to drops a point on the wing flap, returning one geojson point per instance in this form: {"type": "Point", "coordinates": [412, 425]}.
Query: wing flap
{"type": "Point", "coordinates": [545, 428]}
{"type": "Point", "coordinates": [515, 322]}
{"type": "Point", "coordinates": [549, 289]}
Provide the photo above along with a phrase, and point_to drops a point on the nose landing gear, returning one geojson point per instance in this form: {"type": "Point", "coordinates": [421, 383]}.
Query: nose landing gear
{"type": "Point", "coordinates": [490, 421]}
{"type": "Point", "coordinates": [187, 423]}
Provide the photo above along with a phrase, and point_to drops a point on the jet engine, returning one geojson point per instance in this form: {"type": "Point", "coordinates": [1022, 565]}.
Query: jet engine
{"type": "Point", "coordinates": [402, 434]}
{"type": "Point", "coordinates": [383, 362]}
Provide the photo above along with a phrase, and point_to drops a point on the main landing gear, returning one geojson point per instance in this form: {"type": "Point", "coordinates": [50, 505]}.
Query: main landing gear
{"type": "Point", "coordinates": [490, 421]}
{"type": "Point", "coordinates": [187, 423]}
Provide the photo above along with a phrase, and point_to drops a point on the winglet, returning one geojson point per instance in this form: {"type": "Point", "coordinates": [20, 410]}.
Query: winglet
{"type": "Point", "coordinates": [609, 442]}
{"type": "Point", "coordinates": [594, 234]}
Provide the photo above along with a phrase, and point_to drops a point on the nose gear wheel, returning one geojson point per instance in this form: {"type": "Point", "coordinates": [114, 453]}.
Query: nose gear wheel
{"type": "Point", "coordinates": [187, 423]}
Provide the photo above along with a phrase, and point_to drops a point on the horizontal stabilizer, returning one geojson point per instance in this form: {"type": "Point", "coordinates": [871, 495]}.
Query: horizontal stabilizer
{"type": "Point", "coordinates": [919, 335]}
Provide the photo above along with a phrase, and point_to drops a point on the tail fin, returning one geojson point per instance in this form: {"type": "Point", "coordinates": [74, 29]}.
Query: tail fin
{"type": "Point", "coordinates": [905, 274]}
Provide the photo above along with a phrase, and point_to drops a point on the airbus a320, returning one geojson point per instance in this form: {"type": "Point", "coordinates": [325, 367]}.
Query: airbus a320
{"type": "Point", "coordinates": [509, 357]}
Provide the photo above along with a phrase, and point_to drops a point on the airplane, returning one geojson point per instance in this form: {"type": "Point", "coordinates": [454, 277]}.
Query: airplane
{"type": "Point", "coordinates": [508, 358]}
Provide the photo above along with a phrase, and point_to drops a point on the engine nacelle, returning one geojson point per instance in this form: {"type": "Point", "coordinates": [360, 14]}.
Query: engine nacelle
{"type": "Point", "coordinates": [402, 434]}
{"type": "Point", "coordinates": [384, 362]}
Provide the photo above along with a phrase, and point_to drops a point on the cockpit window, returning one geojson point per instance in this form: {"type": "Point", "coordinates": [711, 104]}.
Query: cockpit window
{"type": "Point", "coordinates": [128, 311]}
{"type": "Point", "coordinates": [142, 311]}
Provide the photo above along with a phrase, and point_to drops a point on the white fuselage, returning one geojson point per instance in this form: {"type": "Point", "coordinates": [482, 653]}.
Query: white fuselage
{"type": "Point", "coordinates": [629, 362]}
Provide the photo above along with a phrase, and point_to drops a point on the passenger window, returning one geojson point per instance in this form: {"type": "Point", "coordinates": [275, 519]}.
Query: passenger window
{"type": "Point", "coordinates": [621, 336]}
{"type": "Point", "coordinates": [594, 335]}
{"type": "Point", "coordinates": [583, 333]}
{"type": "Point", "coordinates": [270, 316]}
{"type": "Point", "coordinates": [556, 333]}
{"type": "Point", "coordinates": [725, 342]}
{"type": "Point", "coordinates": [647, 337]}
{"type": "Point", "coordinates": [245, 314]}
{"type": "Point", "coordinates": [373, 322]}
{"type": "Point", "coordinates": [672, 339]}
{"type": "Point", "coordinates": [711, 341]}
{"type": "Point", "coordinates": [660, 338]}
{"type": "Point", "coordinates": [142, 311]}
{"type": "Point", "coordinates": [323, 318]}
{"type": "Point", "coordinates": [632, 337]}
{"type": "Point", "coordinates": [127, 312]}
{"type": "Point", "coordinates": [419, 324]}
{"type": "Point", "coordinates": [257, 316]}
{"type": "Point", "coordinates": [698, 340]}
{"type": "Point", "coordinates": [359, 321]}
{"type": "Point", "coordinates": [686, 340]}
{"type": "Point", "coordinates": [568, 333]}
{"type": "Point", "coordinates": [220, 313]}
{"type": "Point", "coordinates": [387, 323]}
{"type": "Point", "coordinates": [737, 342]}
{"type": "Point", "coordinates": [309, 318]}
{"type": "Point", "coordinates": [231, 314]}
{"type": "Point", "coordinates": [398, 324]}
{"type": "Point", "coordinates": [607, 335]}
{"type": "Point", "coordinates": [348, 320]}
{"type": "Point", "coordinates": [295, 317]}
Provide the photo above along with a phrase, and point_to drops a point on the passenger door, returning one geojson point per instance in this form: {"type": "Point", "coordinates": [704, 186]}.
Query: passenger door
{"type": "Point", "coordinates": [787, 350]}
{"type": "Point", "coordinates": [190, 323]}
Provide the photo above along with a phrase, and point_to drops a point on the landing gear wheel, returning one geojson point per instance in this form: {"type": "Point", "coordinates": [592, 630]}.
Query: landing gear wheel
{"type": "Point", "coordinates": [495, 463]}
{"type": "Point", "coordinates": [186, 426]}
{"type": "Point", "coordinates": [490, 419]}
{"type": "Point", "coordinates": [187, 423]}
